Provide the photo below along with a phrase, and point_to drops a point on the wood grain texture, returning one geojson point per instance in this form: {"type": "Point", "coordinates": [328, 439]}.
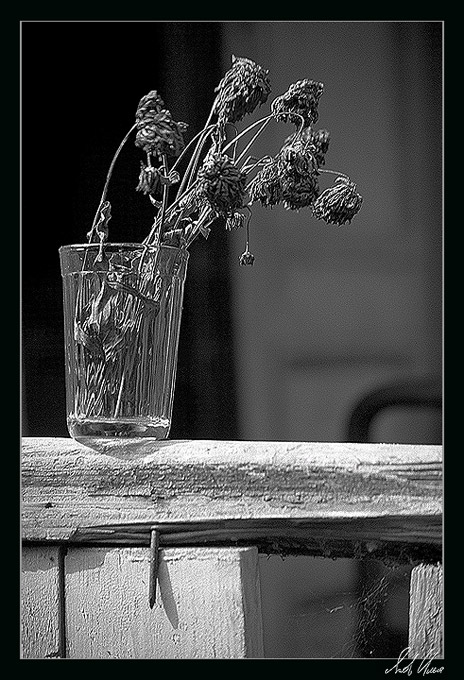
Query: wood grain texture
{"type": "Point", "coordinates": [426, 612]}
{"type": "Point", "coordinates": [208, 604]}
{"type": "Point", "coordinates": [40, 603]}
{"type": "Point", "coordinates": [69, 487]}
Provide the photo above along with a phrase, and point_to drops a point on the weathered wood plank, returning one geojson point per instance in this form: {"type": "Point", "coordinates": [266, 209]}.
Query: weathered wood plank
{"type": "Point", "coordinates": [69, 487]}
{"type": "Point", "coordinates": [426, 612]}
{"type": "Point", "coordinates": [390, 539]}
{"type": "Point", "coordinates": [41, 603]}
{"type": "Point", "coordinates": [208, 604]}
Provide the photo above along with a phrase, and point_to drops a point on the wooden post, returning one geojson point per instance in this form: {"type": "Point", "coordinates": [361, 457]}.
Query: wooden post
{"type": "Point", "coordinates": [42, 603]}
{"type": "Point", "coordinates": [426, 612]}
{"type": "Point", "coordinates": [208, 604]}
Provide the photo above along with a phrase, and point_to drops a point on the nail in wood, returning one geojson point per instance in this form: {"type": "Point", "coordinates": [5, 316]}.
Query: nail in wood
{"type": "Point", "coordinates": [154, 564]}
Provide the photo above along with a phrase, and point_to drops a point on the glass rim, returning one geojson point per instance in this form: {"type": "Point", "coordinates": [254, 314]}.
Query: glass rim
{"type": "Point", "coordinates": [89, 246]}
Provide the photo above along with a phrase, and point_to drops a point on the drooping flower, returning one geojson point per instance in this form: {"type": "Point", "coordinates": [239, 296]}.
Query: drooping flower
{"type": "Point", "coordinates": [246, 258]}
{"type": "Point", "coordinates": [339, 203]}
{"type": "Point", "coordinates": [235, 221]}
{"type": "Point", "coordinates": [298, 176]}
{"type": "Point", "coordinates": [290, 178]}
{"type": "Point", "coordinates": [149, 179]}
{"type": "Point", "coordinates": [320, 142]}
{"type": "Point", "coordinates": [222, 184]}
{"type": "Point", "coordinates": [150, 103]}
{"type": "Point", "coordinates": [159, 133]}
{"type": "Point", "coordinates": [245, 86]}
{"type": "Point", "coordinates": [265, 187]}
{"type": "Point", "coordinates": [300, 193]}
{"type": "Point", "coordinates": [296, 158]}
{"type": "Point", "coordinates": [317, 142]}
{"type": "Point", "coordinates": [299, 104]}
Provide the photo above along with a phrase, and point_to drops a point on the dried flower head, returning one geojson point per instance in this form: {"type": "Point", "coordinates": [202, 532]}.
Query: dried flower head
{"type": "Point", "coordinates": [150, 103]}
{"type": "Point", "coordinates": [317, 142]}
{"type": "Point", "coordinates": [235, 221]}
{"type": "Point", "coordinates": [298, 175]}
{"type": "Point", "coordinates": [301, 192]}
{"type": "Point", "coordinates": [296, 158]}
{"type": "Point", "coordinates": [224, 187]}
{"type": "Point", "coordinates": [265, 187]}
{"type": "Point", "coordinates": [290, 178]}
{"type": "Point", "coordinates": [152, 180]}
{"type": "Point", "coordinates": [159, 133]}
{"type": "Point", "coordinates": [339, 203]}
{"type": "Point", "coordinates": [245, 86]}
{"type": "Point", "coordinates": [299, 104]}
{"type": "Point", "coordinates": [222, 184]}
{"type": "Point", "coordinates": [246, 258]}
{"type": "Point", "coordinates": [149, 179]}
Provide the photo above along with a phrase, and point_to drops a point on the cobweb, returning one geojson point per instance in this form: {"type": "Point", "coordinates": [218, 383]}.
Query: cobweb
{"type": "Point", "coordinates": [368, 619]}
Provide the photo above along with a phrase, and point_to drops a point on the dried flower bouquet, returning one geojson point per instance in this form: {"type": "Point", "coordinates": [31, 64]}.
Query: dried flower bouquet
{"type": "Point", "coordinates": [123, 303]}
{"type": "Point", "coordinates": [228, 181]}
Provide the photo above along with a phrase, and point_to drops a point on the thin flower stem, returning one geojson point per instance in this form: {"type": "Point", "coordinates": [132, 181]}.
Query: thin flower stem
{"type": "Point", "coordinates": [118, 402]}
{"type": "Point", "coordinates": [247, 169]}
{"type": "Point", "coordinates": [193, 163]}
{"type": "Point", "coordinates": [188, 172]}
{"type": "Point", "coordinates": [175, 203]}
{"type": "Point", "coordinates": [247, 248]}
{"type": "Point", "coordinates": [147, 239]}
{"type": "Point", "coordinates": [250, 143]}
{"type": "Point", "coordinates": [244, 132]}
{"type": "Point", "coordinates": [334, 172]}
{"type": "Point", "coordinates": [196, 230]}
{"type": "Point", "coordinates": [165, 194]}
{"type": "Point", "coordinates": [207, 128]}
{"type": "Point", "coordinates": [302, 124]}
{"type": "Point", "coordinates": [108, 177]}
{"type": "Point", "coordinates": [234, 151]}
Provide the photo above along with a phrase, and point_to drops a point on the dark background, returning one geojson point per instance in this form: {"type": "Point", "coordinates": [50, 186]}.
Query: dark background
{"type": "Point", "coordinates": [81, 83]}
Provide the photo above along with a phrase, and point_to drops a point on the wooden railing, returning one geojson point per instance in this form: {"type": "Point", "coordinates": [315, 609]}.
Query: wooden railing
{"type": "Point", "coordinates": [152, 551]}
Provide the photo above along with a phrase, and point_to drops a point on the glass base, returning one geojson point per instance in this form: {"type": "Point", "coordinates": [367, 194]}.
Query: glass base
{"type": "Point", "coordinates": [124, 433]}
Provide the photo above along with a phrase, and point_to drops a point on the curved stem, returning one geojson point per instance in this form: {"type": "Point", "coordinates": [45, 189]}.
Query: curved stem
{"type": "Point", "coordinates": [302, 124]}
{"type": "Point", "coordinates": [193, 162]}
{"type": "Point", "coordinates": [247, 248]}
{"type": "Point", "coordinates": [108, 177]}
{"type": "Point", "coordinates": [334, 172]}
{"type": "Point", "coordinates": [247, 169]}
{"type": "Point", "coordinates": [165, 195]}
{"type": "Point", "coordinates": [234, 140]}
{"type": "Point", "coordinates": [266, 122]}
{"type": "Point", "coordinates": [244, 132]}
{"type": "Point", "coordinates": [147, 239]}
{"type": "Point", "coordinates": [196, 230]}
{"type": "Point", "coordinates": [205, 129]}
{"type": "Point", "coordinates": [175, 203]}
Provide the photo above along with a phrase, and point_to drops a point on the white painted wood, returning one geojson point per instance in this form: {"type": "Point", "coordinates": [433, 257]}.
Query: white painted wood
{"type": "Point", "coordinates": [426, 612]}
{"type": "Point", "coordinates": [208, 604]}
{"type": "Point", "coordinates": [67, 486]}
{"type": "Point", "coordinates": [40, 603]}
